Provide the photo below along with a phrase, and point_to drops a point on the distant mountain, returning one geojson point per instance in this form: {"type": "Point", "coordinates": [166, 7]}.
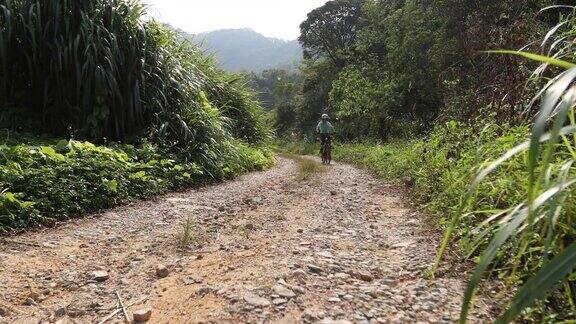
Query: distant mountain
{"type": "Point", "coordinates": [245, 49]}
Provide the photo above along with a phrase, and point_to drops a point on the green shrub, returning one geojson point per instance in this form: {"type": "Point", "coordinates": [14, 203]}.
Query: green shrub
{"type": "Point", "coordinates": [40, 184]}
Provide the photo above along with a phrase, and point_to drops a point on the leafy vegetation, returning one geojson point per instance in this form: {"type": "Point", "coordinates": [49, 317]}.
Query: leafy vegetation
{"type": "Point", "coordinates": [191, 235]}
{"type": "Point", "coordinates": [307, 168]}
{"type": "Point", "coordinates": [279, 92]}
{"type": "Point", "coordinates": [390, 69]}
{"type": "Point", "coordinates": [160, 114]}
{"type": "Point", "coordinates": [96, 70]}
{"type": "Point", "coordinates": [56, 180]}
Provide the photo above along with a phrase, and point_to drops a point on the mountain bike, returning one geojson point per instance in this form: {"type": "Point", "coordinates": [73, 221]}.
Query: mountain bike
{"type": "Point", "coordinates": [326, 151]}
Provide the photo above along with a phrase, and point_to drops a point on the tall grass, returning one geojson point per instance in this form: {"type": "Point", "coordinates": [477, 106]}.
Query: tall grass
{"type": "Point", "coordinates": [533, 239]}
{"type": "Point", "coordinates": [96, 69]}
{"type": "Point", "coordinates": [76, 63]}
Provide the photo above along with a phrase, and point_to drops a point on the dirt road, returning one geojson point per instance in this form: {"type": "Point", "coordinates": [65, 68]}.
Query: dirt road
{"type": "Point", "coordinates": [266, 247]}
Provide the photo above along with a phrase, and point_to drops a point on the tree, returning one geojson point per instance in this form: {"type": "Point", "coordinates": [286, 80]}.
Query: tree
{"type": "Point", "coordinates": [268, 83]}
{"type": "Point", "coordinates": [279, 91]}
{"type": "Point", "coordinates": [471, 78]}
{"type": "Point", "coordinates": [286, 96]}
{"type": "Point", "coordinates": [317, 85]}
{"type": "Point", "coordinates": [330, 31]}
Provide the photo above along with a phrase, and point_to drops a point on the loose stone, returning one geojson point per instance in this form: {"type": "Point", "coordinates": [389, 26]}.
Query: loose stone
{"type": "Point", "coordinates": [256, 300]}
{"type": "Point", "coordinates": [283, 291]}
{"type": "Point", "coordinates": [142, 315]}
{"type": "Point", "coordinates": [99, 276]}
{"type": "Point", "coordinates": [162, 271]}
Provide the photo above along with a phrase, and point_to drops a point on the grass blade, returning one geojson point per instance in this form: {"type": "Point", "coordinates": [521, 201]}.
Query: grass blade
{"type": "Point", "coordinates": [519, 215]}
{"type": "Point", "coordinates": [477, 180]}
{"type": "Point", "coordinates": [545, 279]}
{"type": "Point", "coordinates": [537, 57]}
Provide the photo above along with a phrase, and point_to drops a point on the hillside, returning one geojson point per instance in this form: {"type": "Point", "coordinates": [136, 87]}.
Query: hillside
{"type": "Point", "coordinates": [245, 49]}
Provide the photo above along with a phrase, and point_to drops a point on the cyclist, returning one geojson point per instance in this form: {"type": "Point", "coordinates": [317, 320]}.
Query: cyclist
{"type": "Point", "coordinates": [325, 130]}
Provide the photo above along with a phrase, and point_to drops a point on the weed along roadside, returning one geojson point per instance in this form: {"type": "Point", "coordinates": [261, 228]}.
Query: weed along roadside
{"type": "Point", "coordinates": [308, 168]}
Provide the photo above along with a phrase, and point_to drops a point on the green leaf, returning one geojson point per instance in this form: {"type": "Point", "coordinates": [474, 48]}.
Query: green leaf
{"type": "Point", "coordinates": [476, 182]}
{"type": "Point", "coordinates": [112, 185]}
{"type": "Point", "coordinates": [10, 197]}
{"type": "Point", "coordinates": [139, 175]}
{"type": "Point", "coordinates": [63, 146]}
{"type": "Point", "coordinates": [537, 287]}
{"type": "Point", "coordinates": [517, 216]}
{"type": "Point", "coordinates": [538, 58]}
{"type": "Point", "coordinates": [51, 153]}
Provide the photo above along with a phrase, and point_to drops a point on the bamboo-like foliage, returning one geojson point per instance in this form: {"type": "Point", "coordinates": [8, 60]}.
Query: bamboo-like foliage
{"type": "Point", "coordinates": [76, 63]}
{"type": "Point", "coordinates": [534, 239]}
{"type": "Point", "coordinates": [96, 69]}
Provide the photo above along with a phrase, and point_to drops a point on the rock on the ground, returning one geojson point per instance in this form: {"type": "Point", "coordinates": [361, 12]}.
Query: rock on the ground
{"type": "Point", "coordinates": [34, 295]}
{"type": "Point", "coordinates": [283, 291]}
{"type": "Point", "coordinates": [204, 291]}
{"type": "Point", "coordinates": [314, 268]}
{"type": "Point", "coordinates": [60, 311]}
{"type": "Point", "coordinates": [142, 315]}
{"type": "Point", "coordinates": [361, 275]}
{"type": "Point", "coordinates": [192, 280]}
{"type": "Point", "coordinates": [162, 271]}
{"type": "Point", "coordinates": [341, 275]}
{"type": "Point", "coordinates": [253, 201]}
{"type": "Point", "coordinates": [331, 321]}
{"type": "Point", "coordinates": [279, 301]}
{"type": "Point", "coordinates": [299, 273]}
{"type": "Point", "coordinates": [64, 321]}
{"type": "Point", "coordinates": [99, 276]}
{"type": "Point", "coordinates": [256, 300]}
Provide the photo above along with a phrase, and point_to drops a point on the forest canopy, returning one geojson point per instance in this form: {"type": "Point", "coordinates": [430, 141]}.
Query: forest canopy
{"type": "Point", "coordinates": [393, 69]}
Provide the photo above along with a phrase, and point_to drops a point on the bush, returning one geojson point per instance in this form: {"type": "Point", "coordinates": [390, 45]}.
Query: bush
{"type": "Point", "coordinates": [41, 184]}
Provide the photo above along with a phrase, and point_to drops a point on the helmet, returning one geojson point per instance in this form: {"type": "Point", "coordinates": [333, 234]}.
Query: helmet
{"type": "Point", "coordinates": [325, 117]}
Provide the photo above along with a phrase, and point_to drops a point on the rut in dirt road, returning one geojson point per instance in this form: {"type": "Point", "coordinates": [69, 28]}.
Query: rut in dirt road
{"type": "Point", "coordinates": [268, 247]}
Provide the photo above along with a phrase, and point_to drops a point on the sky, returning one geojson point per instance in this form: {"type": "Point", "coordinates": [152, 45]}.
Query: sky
{"type": "Point", "coordinates": [272, 18]}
